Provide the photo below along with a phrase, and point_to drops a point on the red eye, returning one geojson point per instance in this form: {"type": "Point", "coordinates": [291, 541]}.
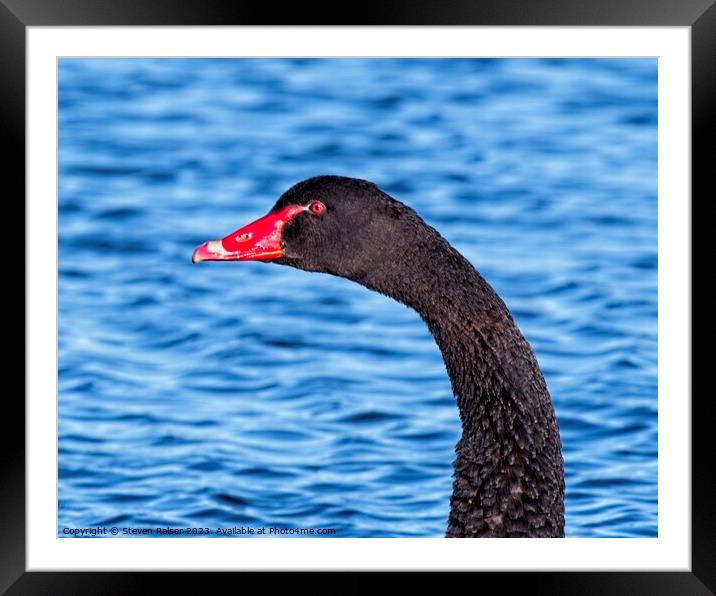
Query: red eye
{"type": "Point", "coordinates": [317, 208]}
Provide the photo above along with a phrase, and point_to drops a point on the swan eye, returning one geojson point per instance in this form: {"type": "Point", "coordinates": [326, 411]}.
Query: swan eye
{"type": "Point", "coordinates": [317, 208]}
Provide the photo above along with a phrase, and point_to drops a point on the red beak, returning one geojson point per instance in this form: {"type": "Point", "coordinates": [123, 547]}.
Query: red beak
{"type": "Point", "coordinates": [258, 241]}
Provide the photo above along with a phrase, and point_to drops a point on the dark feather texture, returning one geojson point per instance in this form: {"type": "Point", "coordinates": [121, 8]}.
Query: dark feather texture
{"type": "Point", "coordinates": [509, 478]}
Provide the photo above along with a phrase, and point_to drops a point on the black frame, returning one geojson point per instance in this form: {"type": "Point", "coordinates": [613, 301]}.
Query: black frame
{"type": "Point", "coordinates": [16, 15]}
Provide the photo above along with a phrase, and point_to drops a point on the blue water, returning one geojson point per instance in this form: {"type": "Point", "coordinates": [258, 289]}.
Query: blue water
{"type": "Point", "coordinates": [252, 395]}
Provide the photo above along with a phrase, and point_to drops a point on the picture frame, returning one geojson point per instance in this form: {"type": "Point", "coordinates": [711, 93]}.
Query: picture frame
{"type": "Point", "coordinates": [16, 16]}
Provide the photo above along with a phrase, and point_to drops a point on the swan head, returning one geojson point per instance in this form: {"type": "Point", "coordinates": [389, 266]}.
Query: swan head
{"type": "Point", "coordinates": [331, 224]}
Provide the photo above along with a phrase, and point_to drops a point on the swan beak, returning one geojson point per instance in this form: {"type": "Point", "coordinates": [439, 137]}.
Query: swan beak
{"type": "Point", "coordinates": [257, 241]}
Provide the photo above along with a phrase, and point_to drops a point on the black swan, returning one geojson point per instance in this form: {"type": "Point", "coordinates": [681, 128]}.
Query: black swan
{"type": "Point", "coordinates": [508, 474]}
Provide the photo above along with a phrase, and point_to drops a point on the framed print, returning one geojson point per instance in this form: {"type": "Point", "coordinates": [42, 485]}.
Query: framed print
{"type": "Point", "coordinates": [521, 181]}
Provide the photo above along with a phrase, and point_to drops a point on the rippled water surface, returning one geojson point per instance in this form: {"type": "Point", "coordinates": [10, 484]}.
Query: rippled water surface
{"type": "Point", "coordinates": [256, 395]}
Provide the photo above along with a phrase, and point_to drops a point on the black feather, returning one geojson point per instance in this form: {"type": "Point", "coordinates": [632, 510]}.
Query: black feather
{"type": "Point", "coordinates": [508, 474]}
